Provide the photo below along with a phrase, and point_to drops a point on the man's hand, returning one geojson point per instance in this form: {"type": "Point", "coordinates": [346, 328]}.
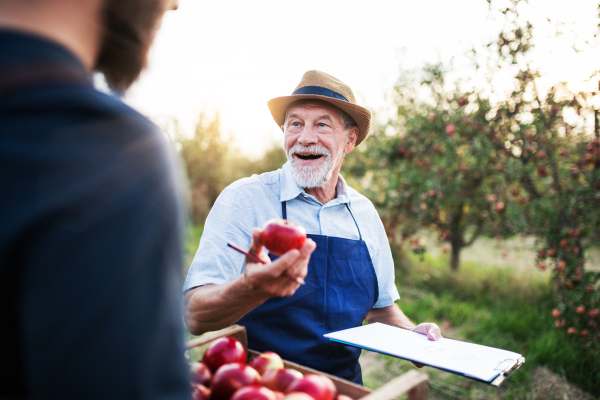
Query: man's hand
{"type": "Point", "coordinates": [430, 329]}
{"type": "Point", "coordinates": [212, 307]}
{"type": "Point", "coordinates": [393, 316]}
{"type": "Point", "coordinates": [268, 279]}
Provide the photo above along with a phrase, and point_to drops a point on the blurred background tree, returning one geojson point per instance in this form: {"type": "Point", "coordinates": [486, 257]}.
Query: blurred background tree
{"type": "Point", "coordinates": [212, 162]}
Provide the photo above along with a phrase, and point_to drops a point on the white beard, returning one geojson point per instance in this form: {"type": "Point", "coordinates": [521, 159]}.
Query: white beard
{"type": "Point", "coordinates": [309, 176]}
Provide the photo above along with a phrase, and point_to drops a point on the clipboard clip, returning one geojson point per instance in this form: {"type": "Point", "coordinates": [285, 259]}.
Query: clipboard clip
{"type": "Point", "coordinates": [507, 367]}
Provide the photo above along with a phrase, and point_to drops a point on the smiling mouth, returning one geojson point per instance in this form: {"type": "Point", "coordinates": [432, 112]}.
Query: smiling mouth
{"type": "Point", "coordinates": [309, 156]}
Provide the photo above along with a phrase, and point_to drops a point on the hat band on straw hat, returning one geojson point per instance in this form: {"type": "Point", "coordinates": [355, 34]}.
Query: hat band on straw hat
{"type": "Point", "coordinates": [320, 91]}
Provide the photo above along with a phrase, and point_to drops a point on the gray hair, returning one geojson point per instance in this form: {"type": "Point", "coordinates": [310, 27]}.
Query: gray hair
{"type": "Point", "coordinates": [346, 119]}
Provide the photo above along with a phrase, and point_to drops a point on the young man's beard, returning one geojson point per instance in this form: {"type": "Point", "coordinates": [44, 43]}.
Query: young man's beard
{"type": "Point", "coordinates": [129, 27]}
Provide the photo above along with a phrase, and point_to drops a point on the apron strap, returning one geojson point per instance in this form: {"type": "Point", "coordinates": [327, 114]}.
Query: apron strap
{"type": "Point", "coordinates": [355, 223]}
{"type": "Point", "coordinates": [284, 216]}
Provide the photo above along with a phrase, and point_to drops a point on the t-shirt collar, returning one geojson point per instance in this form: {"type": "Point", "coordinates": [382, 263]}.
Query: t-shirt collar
{"type": "Point", "coordinates": [290, 189]}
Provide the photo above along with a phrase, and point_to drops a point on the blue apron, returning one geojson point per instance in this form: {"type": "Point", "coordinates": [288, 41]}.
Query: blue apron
{"type": "Point", "coordinates": [341, 288]}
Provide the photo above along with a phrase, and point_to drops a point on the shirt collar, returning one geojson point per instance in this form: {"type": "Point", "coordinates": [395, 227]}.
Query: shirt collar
{"type": "Point", "coordinates": [290, 189]}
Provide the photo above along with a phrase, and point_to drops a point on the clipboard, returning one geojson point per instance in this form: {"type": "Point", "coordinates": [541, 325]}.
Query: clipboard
{"type": "Point", "coordinates": [507, 371]}
{"type": "Point", "coordinates": [482, 363]}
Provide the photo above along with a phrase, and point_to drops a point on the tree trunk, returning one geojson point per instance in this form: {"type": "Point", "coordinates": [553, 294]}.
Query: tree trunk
{"type": "Point", "coordinates": [455, 260]}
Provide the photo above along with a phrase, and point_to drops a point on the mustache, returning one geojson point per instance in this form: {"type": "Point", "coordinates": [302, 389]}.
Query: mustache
{"type": "Point", "coordinates": [314, 149]}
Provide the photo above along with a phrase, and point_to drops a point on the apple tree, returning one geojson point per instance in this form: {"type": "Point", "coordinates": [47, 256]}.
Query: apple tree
{"type": "Point", "coordinates": [436, 165]}
{"type": "Point", "coordinates": [554, 139]}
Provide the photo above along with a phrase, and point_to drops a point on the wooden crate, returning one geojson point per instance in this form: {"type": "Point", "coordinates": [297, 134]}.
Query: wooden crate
{"type": "Point", "coordinates": [413, 383]}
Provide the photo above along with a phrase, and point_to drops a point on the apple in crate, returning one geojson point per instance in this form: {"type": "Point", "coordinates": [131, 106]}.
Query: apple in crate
{"type": "Point", "coordinates": [224, 351]}
{"type": "Point", "coordinates": [200, 392]}
{"type": "Point", "coordinates": [231, 377]}
{"type": "Point", "coordinates": [254, 392]}
{"type": "Point", "coordinates": [266, 361]}
{"type": "Point", "coordinates": [297, 396]}
{"type": "Point", "coordinates": [200, 373]}
{"type": "Point", "coordinates": [280, 379]}
{"type": "Point", "coordinates": [280, 236]}
{"type": "Point", "coordinates": [319, 387]}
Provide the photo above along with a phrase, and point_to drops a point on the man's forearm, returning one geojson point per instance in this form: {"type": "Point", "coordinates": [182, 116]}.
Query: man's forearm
{"type": "Point", "coordinates": [213, 307]}
{"type": "Point", "coordinates": [391, 315]}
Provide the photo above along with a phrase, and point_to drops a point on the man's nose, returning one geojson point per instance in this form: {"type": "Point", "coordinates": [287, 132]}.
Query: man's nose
{"type": "Point", "coordinates": [308, 136]}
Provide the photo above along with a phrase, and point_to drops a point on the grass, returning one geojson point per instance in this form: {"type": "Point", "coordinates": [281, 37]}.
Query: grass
{"type": "Point", "coordinates": [499, 307]}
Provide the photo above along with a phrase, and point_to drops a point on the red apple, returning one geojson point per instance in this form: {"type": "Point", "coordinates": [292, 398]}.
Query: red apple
{"type": "Point", "coordinates": [298, 396]}
{"type": "Point", "coordinates": [542, 266]}
{"type": "Point", "coordinates": [231, 377]}
{"type": "Point", "coordinates": [200, 392]}
{"type": "Point", "coordinates": [266, 361]}
{"type": "Point", "coordinates": [540, 155]}
{"type": "Point", "coordinates": [499, 206]}
{"type": "Point", "coordinates": [280, 236]}
{"type": "Point", "coordinates": [254, 392]}
{"type": "Point", "coordinates": [278, 395]}
{"type": "Point", "coordinates": [556, 313]}
{"type": "Point", "coordinates": [594, 313]}
{"type": "Point", "coordinates": [280, 379]}
{"type": "Point", "coordinates": [431, 116]}
{"type": "Point", "coordinates": [200, 373]}
{"type": "Point", "coordinates": [542, 171]}
{"type": "Point", "coordinates": [450, 130]}
{"type": "Point", "coordinates": [571, 331]}
{"type": "Point", "coordinates": [224, 351]}
{"type": "Point", "coordinates": [462, 101]}
{"type": "Point", "coordinates": [590, 288]}
{"type": "Point", "coordinates": [580, 309]}
{"type": "Point", "coordinates": [318, 387]}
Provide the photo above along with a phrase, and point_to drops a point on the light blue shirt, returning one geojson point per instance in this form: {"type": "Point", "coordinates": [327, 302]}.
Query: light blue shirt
{"type": "Point", "coordinates": [250, 202]}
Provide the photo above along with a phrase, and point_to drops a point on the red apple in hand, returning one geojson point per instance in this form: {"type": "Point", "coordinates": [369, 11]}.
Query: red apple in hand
{"type": "Point", "coordinates": [200, 373]}
{"type": "Point", "coordinates": [230, 377]}
{"type": "Point", "coordinates": [200, 392]}
{"type": "Point", "coordinates": [254, 392]}
{"type": "Point", "coordinates": [280, 379]}
{"type": "Point", "coordinates": [224, 351]}
{"type": "Point", "coordinates": [318, 387]}
{"type": "Point", "coordinates": [266, 361]}
{"type": "Point", "coordinates": [280, 236]}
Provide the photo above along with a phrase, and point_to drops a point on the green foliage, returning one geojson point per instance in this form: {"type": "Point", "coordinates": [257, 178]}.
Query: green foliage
{"type": "Point", "coordinates": [212, 162]}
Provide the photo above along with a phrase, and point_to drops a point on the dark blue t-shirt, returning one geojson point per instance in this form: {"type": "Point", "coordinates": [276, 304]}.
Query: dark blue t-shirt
{"type": "Point", "coordinates": [90, 237]}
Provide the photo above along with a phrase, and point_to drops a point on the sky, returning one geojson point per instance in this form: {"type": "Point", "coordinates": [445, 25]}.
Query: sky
{"type": "Point", "coordinates": [232, 56]}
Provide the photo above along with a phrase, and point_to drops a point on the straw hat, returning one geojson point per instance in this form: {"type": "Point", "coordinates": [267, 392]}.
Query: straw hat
{"type": "Point", "coordinates": [320, 86]}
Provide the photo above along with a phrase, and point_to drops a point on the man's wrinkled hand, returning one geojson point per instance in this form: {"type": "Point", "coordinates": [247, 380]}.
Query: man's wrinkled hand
{"type": "Point", "coordinates": [268, 279]}
{"type": "Point", "coordinates": [431, 330]}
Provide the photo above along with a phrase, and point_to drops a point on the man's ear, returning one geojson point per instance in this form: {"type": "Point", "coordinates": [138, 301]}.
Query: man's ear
{"type": "Point", "coordinates": [351, 139]}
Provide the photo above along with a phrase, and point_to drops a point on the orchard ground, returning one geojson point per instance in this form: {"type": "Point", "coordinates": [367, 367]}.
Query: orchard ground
{"type": "Point", "coordinates": [498, 299]}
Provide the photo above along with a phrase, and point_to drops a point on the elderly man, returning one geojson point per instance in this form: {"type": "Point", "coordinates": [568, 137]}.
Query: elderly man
{"type": "Point", "coordinates": [350, 275]}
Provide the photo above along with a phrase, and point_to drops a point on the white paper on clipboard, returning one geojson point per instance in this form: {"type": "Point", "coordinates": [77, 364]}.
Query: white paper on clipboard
{"type": "Point", "coordinates": [469, 359]}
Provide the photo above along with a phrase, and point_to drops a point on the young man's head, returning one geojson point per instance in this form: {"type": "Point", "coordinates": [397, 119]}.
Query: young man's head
{"type": "Point", "coordinates": [128, 29]}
